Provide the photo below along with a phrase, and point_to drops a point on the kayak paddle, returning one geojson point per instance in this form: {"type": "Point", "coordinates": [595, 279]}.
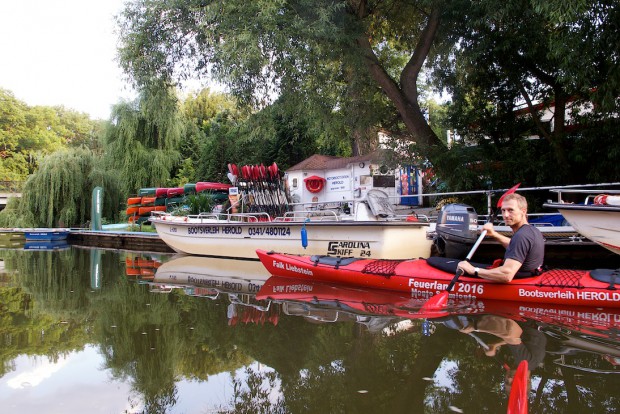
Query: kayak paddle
{"type": "Point", "coordinates": [518, 398]}
{"type": "Point", "coordinates": [441, 300]}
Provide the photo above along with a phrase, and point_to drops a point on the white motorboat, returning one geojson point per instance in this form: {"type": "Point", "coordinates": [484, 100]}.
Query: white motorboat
{"type": "Point", "coordinates": [227, 275]}
{"type": "Point", "coordinates": [598, 218]}
{"type": "Point", "coordinates": [373, 231]}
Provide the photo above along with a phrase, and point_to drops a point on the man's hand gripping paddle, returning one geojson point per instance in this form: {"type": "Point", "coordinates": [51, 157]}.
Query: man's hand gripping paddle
{"type": "Point", "coordinates": [441, 300]}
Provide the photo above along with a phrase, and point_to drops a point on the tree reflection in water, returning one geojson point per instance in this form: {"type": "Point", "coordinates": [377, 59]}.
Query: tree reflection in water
{"type": "Point", "coordinates": [334, 354]}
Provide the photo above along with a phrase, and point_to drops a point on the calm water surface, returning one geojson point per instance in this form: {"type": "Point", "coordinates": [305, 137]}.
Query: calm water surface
{"type": "Point", "coordinates": [86, 330]}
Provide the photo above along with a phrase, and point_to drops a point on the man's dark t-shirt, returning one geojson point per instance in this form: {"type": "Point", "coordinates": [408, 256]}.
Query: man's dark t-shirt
{"type": "Point", "coordinates": [531, 349]}
{"type": "Point", "coordinates": [527, 246]}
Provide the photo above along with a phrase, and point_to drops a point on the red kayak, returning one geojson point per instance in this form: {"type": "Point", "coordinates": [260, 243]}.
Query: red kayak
{"type": "Point", "coordinates": [591, 321]}
{"type": "Point", "coordinates": [421, 280]}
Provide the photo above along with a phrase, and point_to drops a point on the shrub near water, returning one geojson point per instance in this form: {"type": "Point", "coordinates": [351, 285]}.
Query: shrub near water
{"type": "Point", "coordinates": [59, 193]}
{"type": "Point", "coordinates": [200, 203]}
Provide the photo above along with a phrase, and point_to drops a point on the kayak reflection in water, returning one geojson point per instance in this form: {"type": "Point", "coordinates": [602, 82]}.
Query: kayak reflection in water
{"type": "Point", "coordinates": [523, 339]}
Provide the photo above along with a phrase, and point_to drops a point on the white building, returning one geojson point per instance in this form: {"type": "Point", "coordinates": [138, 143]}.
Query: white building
{"type": "Point", "coordinates": [327, 179]}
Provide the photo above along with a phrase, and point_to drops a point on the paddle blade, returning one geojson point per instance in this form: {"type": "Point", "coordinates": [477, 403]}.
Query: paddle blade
{"type": "Point", "coordinates": [232, 178]}
{"type": "Point", "coordinates": [439, 301]}
{"type": "Point", "coordinates": [512, 190]}
{"type": "Point", "coordinates": [517, 400]}
{"type": "Point", "coordinates": [244, 172]}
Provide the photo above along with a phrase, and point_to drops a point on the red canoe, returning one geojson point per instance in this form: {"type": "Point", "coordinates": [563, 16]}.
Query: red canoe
{"type": "Point", "coordinates": [161, 192]}
{"type": "Point", "coordinates": [208, 186]}
{"type": "Point", "coordinates": [173, 192]}
{"type": "Point", "coordinates": [421, 280]}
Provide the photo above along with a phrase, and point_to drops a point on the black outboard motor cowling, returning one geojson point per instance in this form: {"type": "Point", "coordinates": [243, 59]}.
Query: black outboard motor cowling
{"type": "Point", "coordinates": [456, 230]}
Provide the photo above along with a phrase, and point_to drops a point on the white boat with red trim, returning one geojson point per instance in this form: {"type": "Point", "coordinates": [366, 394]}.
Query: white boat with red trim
{"type": "Point", "coordinates": [598, 218]}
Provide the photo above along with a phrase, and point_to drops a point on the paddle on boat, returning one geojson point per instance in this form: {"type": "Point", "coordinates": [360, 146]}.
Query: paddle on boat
{"type": "Point", "coordinates": [441, 300]}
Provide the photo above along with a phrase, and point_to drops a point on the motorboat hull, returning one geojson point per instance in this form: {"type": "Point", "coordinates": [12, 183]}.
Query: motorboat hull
{"type": "Point", "coordinates": [372, 239]}
{"type": "Point", "coordinates": [599, 223]}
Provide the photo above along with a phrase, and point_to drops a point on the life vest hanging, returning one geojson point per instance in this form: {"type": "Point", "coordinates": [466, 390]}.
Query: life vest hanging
{"type": "Point", "coordinates": [314, 184]}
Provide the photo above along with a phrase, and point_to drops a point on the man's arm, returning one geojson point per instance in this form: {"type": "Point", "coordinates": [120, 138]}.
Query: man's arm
{"type": "Point", "coordinates": [504, 273]}
{"type": "Point", "coordinates": [503, 240]}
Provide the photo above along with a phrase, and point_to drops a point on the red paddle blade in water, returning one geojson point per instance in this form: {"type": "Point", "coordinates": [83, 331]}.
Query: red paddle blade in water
{"type": "Point", "coordinates": [512, 190]}
{"type": "Point", "coordinates": [517, 400]}
{"type": "Point", "coordinates": [439, 301]}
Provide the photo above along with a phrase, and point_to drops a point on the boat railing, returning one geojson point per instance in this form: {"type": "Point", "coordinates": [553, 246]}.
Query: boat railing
{"type": "Point", "coordinates": [313, 215]}
{"type": "Point", "coordinates": [591, 193]}
{"type": "Point", "coordinates": [593, 189]}
{"type": "Point", "coordinates": [535, 219]}
{"type": "Point", "coordinates": [234, 217]}
{"type": "Point", "coordinates": [243, 299]}
{"type": "Point", "coordinates": [301, 309]}
{"type": "Point", "coordinates": [192, 291]}
{"type": "Point", "coordinates": [562, 363]}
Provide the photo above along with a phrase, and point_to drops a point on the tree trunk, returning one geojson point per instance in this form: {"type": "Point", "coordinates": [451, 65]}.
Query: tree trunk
{"type": "Point", "coordinates": [405, 96]}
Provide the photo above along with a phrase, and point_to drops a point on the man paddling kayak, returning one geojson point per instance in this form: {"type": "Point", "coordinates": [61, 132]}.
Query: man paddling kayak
{"type": "Point", "coordinates": [525, 251]}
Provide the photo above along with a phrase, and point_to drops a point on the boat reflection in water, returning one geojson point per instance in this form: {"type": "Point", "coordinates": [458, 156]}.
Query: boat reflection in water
{"type": "Point", "coordinates": [226, 337]}
{"type": "Point", "coordinates": [563, 346]}
{"type": "Point", "coordinates": [211, 278]}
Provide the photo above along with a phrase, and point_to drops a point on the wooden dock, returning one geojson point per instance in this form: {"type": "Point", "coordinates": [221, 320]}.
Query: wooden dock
{"type": "Point", "coordinates": [122, 240]}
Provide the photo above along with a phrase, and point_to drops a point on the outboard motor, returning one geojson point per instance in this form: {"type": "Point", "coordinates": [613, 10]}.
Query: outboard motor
{"type": "Point", "coordinates": [456, 230]}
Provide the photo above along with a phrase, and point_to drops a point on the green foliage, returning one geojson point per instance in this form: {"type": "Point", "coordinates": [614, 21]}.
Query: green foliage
{"type": "Point", "coordinates": [513, 56]}
{"type": "Point", "coordinates": [15, 215]}
{"type": "Point", "coordinates": [223, 143]}
{"type": "Point", "coordinates": [59, 193]}
{"type": "Point", "coordinates": [309, 52]}
{"type": "Point", "coordinates": [27, 133]}
{"type": "Point", "coordinates": [142, 140]}
{"type": "Point", "coordinates": [199, 203]}
{"type": "Point", "coordinates": [314, 87]}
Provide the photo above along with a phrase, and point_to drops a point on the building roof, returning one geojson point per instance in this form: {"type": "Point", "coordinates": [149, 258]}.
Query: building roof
{"type": "Point", "coordinates": [329, 162]}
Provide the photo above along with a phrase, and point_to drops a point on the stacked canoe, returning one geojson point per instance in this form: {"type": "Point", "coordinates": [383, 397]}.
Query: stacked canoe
{"type": "Point", "coordinates": [150, 199]}
{"type": "Point", "coordinates": [141, 267]}
{"type": "Point", "coordinates": [139, 208]}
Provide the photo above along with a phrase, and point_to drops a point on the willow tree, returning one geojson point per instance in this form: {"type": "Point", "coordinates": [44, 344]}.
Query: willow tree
{"type": "Point", "coordinates": [59, 192]}
{"type": "Point", "coordinates": [320, 50]}
{"type": "Point", "coordinates": [142, 140]}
